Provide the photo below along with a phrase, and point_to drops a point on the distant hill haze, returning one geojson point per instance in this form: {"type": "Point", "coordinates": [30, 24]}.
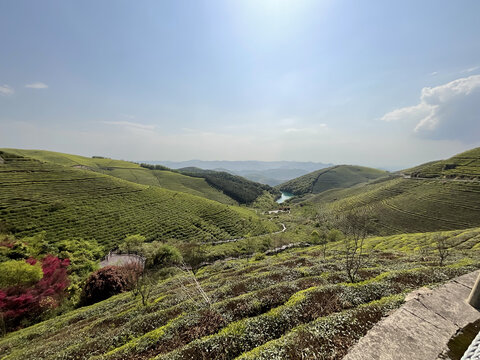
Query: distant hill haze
{"type": "Point", "coordinates": [266, 172]}
{"type": "Point", "coordinates": [334, 177]}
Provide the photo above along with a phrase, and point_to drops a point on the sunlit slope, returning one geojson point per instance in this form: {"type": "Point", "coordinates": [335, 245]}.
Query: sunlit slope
{"type": "Point", "coordinates": [130, 171]}
{"type": "Point", "coordinates": [462, 166]}
{"type": "Point", "coordinates": [291, 306]}
{"type": "Point", "coordinates": [341, 176]}
{"type": "Point", "coordinates": [407, 205]}
{"type": "Point", "coordinates": [75, 203]}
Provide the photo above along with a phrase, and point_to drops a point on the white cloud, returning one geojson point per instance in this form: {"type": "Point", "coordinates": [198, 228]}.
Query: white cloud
{"type": "Point", "coordinates": [6, 90]}
{"type": "Point", "coordinates": [129, 124]}
{"type": "Point", "coordinates": [306, 130]}
{"type": "Point", "coordinates": [472, 69]}
{"type": "Point", "coordinates": [37, 85]}
{"type": "Point", "coordinates": [448, 111]}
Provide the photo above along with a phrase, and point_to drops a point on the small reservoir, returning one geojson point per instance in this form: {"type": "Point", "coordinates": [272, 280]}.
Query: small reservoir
{"type": "Point", "coordinates": [285, 196]}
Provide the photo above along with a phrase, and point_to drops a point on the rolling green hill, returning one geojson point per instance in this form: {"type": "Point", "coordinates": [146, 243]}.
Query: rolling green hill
{"type": "Point", "coordinates": [290, 306]}
{"type": "Point", "coordinates": [238, 188]}
{"type": "Point", "coordinates": [132, 172]}
{"type": "Point", "coordinates": [340, 176]}
{"type": "Point", "coordinates": [462, 166]}
{"type": "Point", "coordinates": [440, 195]}
{"type": "Point", "coordinates": [69, 202]}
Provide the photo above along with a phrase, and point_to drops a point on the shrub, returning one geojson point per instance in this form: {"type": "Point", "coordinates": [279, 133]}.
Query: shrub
{"type": "Point", "coordinates": [132, 244]}
{"type": "Point", "coordinates": [161, 255]}
{"type": "Point", "coordinates": [21, 304]}
{"type": "Point", "coordinates": [19, 273]}
{"type": "Point", "coordinates": [106, 282]}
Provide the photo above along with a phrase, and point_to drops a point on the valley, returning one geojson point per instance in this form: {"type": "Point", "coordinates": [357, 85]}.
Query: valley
{"type": "Point", "coordinates": [255, 282]}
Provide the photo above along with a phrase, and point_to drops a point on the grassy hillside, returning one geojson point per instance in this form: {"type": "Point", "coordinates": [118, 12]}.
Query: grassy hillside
{"type": "Point", "coordinates": [462, 166]}
{"type": "Point", "coordinates": [407, 205]}
{"type": "Point", "coordinates": [71, 202]}
{"type": "Point", "coordinates": [341, 176]}
{"type": "Point", "coordinates": [290, 306]}
{"type": "Point", "coordinates": [238, 188]}
{"type": "Point", "coordinates": [130, 171]}
{"type": "Point", "coordinates": [441, 195]}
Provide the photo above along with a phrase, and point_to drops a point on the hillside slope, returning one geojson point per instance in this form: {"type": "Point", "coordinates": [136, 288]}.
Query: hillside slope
{"type": "Point", "coordinates": [76, 203]}
{"type": "Point", "coordinates": [238, 188]}
{"type": "Point", "coordinates": [462, 166]}
{"type": "Point", "coordinates": [132, 172]}
{"type": "Point", "coordinates": [291, 306]}
{"type": "Point", "coordinates": [435, 197]}
{"type": "Point", "coordinates": [340, 176]}
{"type": "Point", "coordinates": [407, 205]}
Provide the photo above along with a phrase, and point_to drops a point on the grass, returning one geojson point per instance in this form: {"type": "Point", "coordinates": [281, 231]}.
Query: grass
{"type": "Point", "coordinates": [288, 306]}
{"type": "Point", "coordinates": [76, 203]}
{"type": "Point", "coordinates": [340, 176]}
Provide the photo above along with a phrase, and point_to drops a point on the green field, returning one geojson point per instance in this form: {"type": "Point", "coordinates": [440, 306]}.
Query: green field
{"type": "Point", "coordinates": [289, 306]}
{"type": "Point", "coordinates": [71, 202]}
{"type": "Point", "coordinates": [341, 176]}
{"type": "Point", "coordinates": [130, 171]}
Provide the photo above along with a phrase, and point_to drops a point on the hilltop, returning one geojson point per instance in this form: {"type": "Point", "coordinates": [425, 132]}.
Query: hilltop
{"type": "Point", "coordinates": [69, 201]}
{"type": "Point", "coordinates": [462, 166]}
{"type": "Point", "coordinates": [340, 176]}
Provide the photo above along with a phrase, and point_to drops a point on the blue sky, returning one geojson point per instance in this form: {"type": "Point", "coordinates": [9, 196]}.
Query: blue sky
{"type": "Point", "coordinates": [378, 83]}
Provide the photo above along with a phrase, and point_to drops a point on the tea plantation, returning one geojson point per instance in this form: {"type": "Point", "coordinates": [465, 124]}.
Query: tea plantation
{"type": "Point", "coordinates": [462, 166]}
{"type": "Point", "coordinates": [131, 172]}
{"type": "Point", "coordinates": [407, 205]}
{"type": "Point", "coordinates": [71, 203]}
{"type": "Point", "coordinates": [294, 305]}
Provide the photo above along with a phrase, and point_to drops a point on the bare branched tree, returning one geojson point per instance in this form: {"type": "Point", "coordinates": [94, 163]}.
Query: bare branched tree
{"type": "Point", "coordinates": [356, 226]}
{"type": "Point", "coordinates": [144, 285]}
{"type": "Point", "coordinates": [443, 248]}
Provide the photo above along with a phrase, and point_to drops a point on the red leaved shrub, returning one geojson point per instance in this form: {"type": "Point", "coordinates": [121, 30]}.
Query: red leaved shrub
{"type": "Point", "coordinates": [19, 304]}
{"type": "Point", "coordinates": [108, 281]}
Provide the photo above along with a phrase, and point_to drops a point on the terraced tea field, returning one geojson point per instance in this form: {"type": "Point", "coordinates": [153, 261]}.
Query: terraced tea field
{"type": "Point", "coordinates": [464, 166]}
{"type": "Point", "coordinates": [75, 203]}
{"type": "Point", "coordinates": [131, 172]}
{"type": "Point", "coordinates": [290, 306]}
{"type": "Point", "coordinates": [409, 205]}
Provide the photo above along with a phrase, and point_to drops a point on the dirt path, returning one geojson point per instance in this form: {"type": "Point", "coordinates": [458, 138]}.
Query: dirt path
{"type": "Point", "coordinates": [422, 327]}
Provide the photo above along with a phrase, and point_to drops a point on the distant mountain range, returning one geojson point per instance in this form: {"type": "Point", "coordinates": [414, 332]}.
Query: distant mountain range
{"type": "Point", "coordinates": [266, 172]}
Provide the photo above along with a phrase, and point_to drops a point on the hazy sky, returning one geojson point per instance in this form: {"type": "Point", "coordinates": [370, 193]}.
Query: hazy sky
{"type": "Point", "coordinates": [378, 83]}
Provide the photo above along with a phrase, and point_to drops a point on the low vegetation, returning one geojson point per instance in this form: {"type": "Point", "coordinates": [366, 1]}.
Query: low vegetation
{"type": "Point", "coordinates": [214, 281]}
{"type": "Point", "coordinates": [274, 307]}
